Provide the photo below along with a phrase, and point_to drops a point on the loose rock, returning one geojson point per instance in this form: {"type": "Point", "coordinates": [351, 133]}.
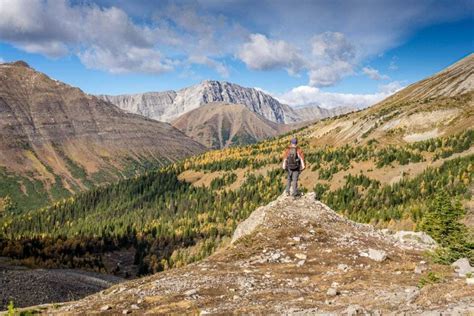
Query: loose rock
{"type": "Point", "coordinates": [331, 292]}
{"type": "Point", "coordinates": [377, 255]}
{"type": "Point", "coordinates": [462, 267]}
{"type": "Point", "coordinates": [105, 308]}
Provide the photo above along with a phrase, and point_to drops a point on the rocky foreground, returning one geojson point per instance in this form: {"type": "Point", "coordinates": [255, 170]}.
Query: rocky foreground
{"type": "Point", "coordinates": [297, 257]}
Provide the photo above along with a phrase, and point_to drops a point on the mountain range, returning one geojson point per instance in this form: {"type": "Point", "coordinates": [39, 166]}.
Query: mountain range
{"type": "Point", "coordinates": [169, 105]}
{"type": "Point", "coordinates": [55, 139]}
{"type": "Point", "coordinates": [270, 117]}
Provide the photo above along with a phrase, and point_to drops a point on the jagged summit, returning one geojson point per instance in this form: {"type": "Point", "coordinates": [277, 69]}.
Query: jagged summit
{"type": "Point", "coordinates": [294, 256]}
{"type": "Point", "coordinates": [18, 63]}
{"type": "Point", "coordinates": [168, 105]}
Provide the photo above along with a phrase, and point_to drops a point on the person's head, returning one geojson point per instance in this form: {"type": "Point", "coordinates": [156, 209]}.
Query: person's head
{"type": "Point", "coordinates": [294, 141]}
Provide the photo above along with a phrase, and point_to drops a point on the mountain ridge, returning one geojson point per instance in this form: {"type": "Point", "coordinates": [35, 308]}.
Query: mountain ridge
{"type": "Point", "coordinates": [56, 136]}
{"type": "Point", "coordinates": [439, 105]}
{"type": "Point", "coordinates": [158, 105]}
{"type": "Point", "coordinates": [169, 105]}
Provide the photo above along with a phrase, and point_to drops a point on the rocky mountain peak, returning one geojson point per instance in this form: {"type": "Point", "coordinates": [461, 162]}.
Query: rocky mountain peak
{"type": "Point", "coordinates": [295, 256]}
{"type": "Point", "coordinates": [169, 105]}
{"type": "Point", "coordinates": [20, 63]}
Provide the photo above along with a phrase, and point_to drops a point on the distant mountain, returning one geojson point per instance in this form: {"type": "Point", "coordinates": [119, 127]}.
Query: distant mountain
{"type": "Point", "coordinates": [219, 125]}
{"type": "Point", "coordinates": [55, 139]}
{"type": "Point", "coordinates": [313, 111]}
{"type": "Point", "coordinates": [167, 106]}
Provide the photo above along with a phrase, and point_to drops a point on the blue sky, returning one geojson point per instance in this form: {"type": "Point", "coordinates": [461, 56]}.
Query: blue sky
{"type": "Point", "coordinates": [326, 52]}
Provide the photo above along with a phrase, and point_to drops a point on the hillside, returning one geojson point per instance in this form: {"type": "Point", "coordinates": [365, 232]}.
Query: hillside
{"type": "Point", "coordinates": [219, 125]}
{"type": "Point", "coordinates": [437, 106]}
{"type": "Point", "coordinates": [296, 256]}
{"type": "Point", "coordinates": [167, 106]}
{"type": "Point", "coordinates": [55, 139]}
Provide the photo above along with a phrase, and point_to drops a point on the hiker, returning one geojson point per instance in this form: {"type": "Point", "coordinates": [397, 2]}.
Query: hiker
{"type": "Point", "coordinates": [293, 163]}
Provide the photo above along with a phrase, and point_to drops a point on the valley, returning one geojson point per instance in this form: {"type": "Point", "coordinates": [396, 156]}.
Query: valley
{"type": "Point", "coordinates": [384, 165]}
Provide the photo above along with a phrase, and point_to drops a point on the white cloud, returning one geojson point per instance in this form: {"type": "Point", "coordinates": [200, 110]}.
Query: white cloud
{"type": "Point", "coordinates": [332, 46]}
{"type": "Point", "coordinates": [331, 57]}
{"type": "Point", "coordinates": [221, 68]}
{"type": "Point", "coordinates": [261, 53]}
{"type": "Point", "coordinates": [106, 38]}
{"type": "Point", "coordinates": [112, 35]}
{"type": "Point", "coordinates": [374, 74]}
{"type": "Point", "coordinates": [393, 63]}
{"type": "Point", "coordinates": [391, 87]}
{"type": "Point", "coordinates": [102, 38]}
{"type": "Point", "coordinates": [328, 75]}
{"type": "Point", "coordinates": [311, 95]}
{"type": "Point", "coordinates": [134, 59]}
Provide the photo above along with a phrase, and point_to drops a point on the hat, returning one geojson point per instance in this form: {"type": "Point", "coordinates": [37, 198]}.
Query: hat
{"type": "Point", "coordinates": [294, 141]}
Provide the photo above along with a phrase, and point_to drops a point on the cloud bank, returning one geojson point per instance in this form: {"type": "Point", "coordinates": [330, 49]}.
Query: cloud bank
{"type": "Point", "coordinates": [304, 95]}
{"type": "Point", "coordinates": [324, 41]}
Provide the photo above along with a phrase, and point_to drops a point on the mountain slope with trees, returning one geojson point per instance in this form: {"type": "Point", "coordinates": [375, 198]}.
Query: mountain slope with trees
{"type": "Point", "coordinates": [297, 255]}
{"type": "Point", "coordinates": [56, 140]}
{"type": "Point", "coordinates": [219, 125]}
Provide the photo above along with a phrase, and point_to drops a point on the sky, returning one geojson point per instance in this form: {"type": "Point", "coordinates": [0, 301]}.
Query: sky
{"type": "Point", "coordinates": [330, 53]}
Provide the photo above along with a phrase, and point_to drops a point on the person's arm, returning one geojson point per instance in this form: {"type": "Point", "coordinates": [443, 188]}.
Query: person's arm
{"type": "Point", "coordinates": [300, 153]}
{"type": "Point", "coordinates": [285, 156]}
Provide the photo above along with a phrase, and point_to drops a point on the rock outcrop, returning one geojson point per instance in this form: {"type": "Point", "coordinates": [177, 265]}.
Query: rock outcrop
{"type": "Point", "coordinates": [294, 256]}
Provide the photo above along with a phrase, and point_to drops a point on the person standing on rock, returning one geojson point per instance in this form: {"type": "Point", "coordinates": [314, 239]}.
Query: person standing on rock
{"type": "Point", "coordinates": [293, 163]}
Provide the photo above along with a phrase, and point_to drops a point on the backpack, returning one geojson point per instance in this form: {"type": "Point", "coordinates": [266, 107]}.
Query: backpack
{"type": "Point", "coordinates": [293, 161]}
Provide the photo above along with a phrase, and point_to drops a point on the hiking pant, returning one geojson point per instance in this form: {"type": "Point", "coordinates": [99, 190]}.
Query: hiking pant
{"type": "Point", "coordinates": [293, 182]}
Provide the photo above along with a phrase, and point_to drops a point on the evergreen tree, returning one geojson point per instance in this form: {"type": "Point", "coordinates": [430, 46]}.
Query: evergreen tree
{"type": "Point", "coordinates": [442, 223]}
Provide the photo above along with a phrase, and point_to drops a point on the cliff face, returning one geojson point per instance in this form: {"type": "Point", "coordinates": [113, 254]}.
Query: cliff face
{"type": "Point", "coordinates": [295, 256]}
{"type": "Point", "coordinates": [54, 135]}
{"type": "Point", "coordinates": [167, 106]}
{"type": "Point", "coordinates": [315, 112]}
{"type": "Point", "coordinates": [151, 104]}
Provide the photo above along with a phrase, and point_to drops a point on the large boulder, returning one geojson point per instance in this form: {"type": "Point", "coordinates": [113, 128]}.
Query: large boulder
{"type": "Point", "coordinates": [462, 267]}
{"type": "Point", "coordinates": [413, 240]}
